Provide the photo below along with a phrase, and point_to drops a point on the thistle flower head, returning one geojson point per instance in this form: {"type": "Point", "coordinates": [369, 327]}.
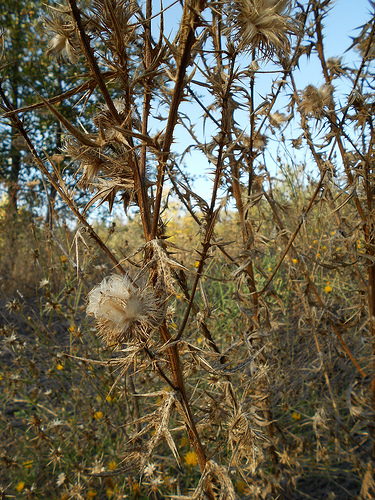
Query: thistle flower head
{"type": "Point", "coordinates": [63, 39]}
{"type": "Point", "coordinates": [104, 116]}
{"type": "Point", "coordinates": [124, 312]}
{"type": "Point", "coordinates": [315, 99]}
{"type": "Point", "coordinates": [263, 24]}
{"type": "Point", "coordinates": [105, 122]}
{"type": "Point", "coordinates": [110, 163]}
{"type": "Point", "coordinates": [335, 67]}
{"type": "Point", "coordinates": [90, 161]}
{"type": "Point", "coordinates": [277, 119]}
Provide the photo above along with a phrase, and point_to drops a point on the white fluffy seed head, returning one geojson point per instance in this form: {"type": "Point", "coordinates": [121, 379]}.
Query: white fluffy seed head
{"type": "Point", "coordinates": [60, 45]}
{"type": "Point", "coordinates": [124, 312]}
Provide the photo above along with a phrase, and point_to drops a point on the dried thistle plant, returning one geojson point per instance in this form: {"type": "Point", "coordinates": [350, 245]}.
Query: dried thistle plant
{"type": "Point", "coordinates": [63, 41]}
{"type": "Point", "coordinates": [314, 100]}
{"type": "Point", "coordinates": [261, 24]}
{"type": "Point", "coordinates": [124, 312]}
{"type": "Point", "coordinates": [227, 386]}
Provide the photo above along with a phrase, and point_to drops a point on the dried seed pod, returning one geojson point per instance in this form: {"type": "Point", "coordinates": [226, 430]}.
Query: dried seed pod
{"type": "Point", "coordinates": [124, 312]}
{"type": "Point", "coordinates": [314, 100]}
{"type": "Point", "coordinates": [63, 39]}
{"type": "Point", "coordinates": [263, 24]}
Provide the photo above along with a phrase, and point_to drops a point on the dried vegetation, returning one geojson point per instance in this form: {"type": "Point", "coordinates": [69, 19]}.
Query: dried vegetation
{"type": "Point", "coordinates": [236, 333]}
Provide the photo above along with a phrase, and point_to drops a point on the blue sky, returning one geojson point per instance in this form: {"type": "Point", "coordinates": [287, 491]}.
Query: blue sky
{"type": "Point", "coordinates": [339, 26]}
{"type": "Point", "coordinates": [341, 22]}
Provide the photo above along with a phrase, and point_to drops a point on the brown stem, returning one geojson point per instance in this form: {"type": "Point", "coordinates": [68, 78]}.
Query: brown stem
{"type": "Point", "coordinates": [296, 231]}
{"type": "Point", "coordinates": [147, 89]}
{"type": "Point", "coordinates": [188, 24]}
{"type": "Point", "coordinates": [89, 54]}
{"type": "Point", "coordinates": [179, 383]}
{"type": "Point", "coordinates": [92, 61]}
{"type": "Point", "coordinates": [18, 124]}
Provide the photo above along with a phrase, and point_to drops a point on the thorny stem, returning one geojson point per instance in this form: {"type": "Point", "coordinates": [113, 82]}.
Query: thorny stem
{"type": "Point", "coordinates": [185, 46]}
{"type": "Point", "coordinates": [212, 214]}
{"type": "Point", "coordinates": [18, 124]}
{"type": "Point", "coordinates": [172, 120]}
{"type": "Point", "coordinates": [247, 230]}
{"type": "Point", "coordinates": [88, 86]}
{"type": "Point", "coordinates": [173, 352]}
{"type": "Point", "coordinates": [139, 181]}
{"type": "Point", "coordinates": [180, 386]}
{"type": "Point", "coordinates": [368, 226]}
{"type": "Point", "coordinates": [147, 91]}
{"type": "Point", "coordinates": [248, 239]}
{"type": "Point", "coordinates": [92, 61]}
{"type": "Point", "coordinates": [146, 103]}
{"type": "Point", "coordinates": [179, 383]}
{"type": "Point", "coordinates": [252, 128]}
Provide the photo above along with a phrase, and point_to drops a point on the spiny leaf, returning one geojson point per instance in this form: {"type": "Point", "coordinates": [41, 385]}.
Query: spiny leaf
{"type": "Point", "coordinates": [81, 137]}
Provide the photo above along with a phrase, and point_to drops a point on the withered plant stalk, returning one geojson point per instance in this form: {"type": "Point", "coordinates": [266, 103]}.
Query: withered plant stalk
{"type": "Point", "coordinates": [160, 310]}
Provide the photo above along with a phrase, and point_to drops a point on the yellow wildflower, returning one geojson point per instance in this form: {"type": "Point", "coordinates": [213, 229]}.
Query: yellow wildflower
{"type": "Point", "coordinates": [98, 415]}
{"type": "Point", "coordinates": [296, 416]}
{"type": "Point", "coordinates": [184, 441]}
{"type": "Point", "coordinates": [63, 258]}
{"type": "Point", "coordinates": [328, 288]}
{"type": "Point", "coordinates": [295, 261]}
{"type": "Point", "coordinates": [59, 367]}
{"type": "Point", "coordinates": [91, 494]}
{"type": "Point", "coordinates": [240, 485]}
{"type": "Point", "coordinates": [191, 458]}
{"type": "Point", "coordinates": [20, 486]}
{"type": "Point", "coordinates": [136, 489]}
{"type": "Point", "coordinates": [112, 465]}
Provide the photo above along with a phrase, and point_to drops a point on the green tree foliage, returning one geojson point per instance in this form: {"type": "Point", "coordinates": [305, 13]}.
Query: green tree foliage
{"type": "Point", "coordinates": [27, 70]}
